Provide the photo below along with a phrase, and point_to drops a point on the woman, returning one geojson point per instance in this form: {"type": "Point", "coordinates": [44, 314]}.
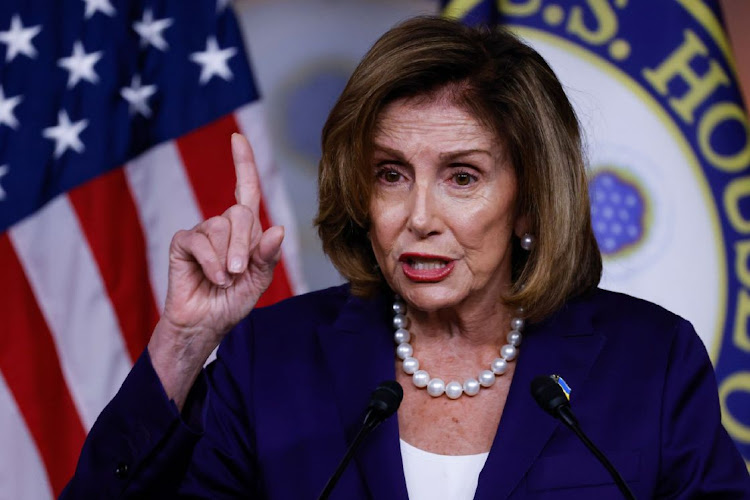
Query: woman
{"type": "Point", "coordinates": [453, 199]}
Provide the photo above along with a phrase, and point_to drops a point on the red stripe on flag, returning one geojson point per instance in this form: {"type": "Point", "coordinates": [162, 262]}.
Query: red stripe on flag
{"type": "Point", "coordinates": [28, 361]}
{"type": "Point", "coordinates": [207, 156]}
{"type": "Point", "coordinates": [110, 222]}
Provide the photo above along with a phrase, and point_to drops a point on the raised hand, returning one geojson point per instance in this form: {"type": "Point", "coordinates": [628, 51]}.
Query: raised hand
{"type": "Point", "coordinates": [217, 272]}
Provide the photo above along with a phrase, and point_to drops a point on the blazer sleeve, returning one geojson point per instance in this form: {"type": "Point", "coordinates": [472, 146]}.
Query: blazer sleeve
{"type": "Point", "coordinates": [142, 447]}
{"type": "Point", "coordinates": [698, 456]}
{"type": "Point", "coordinates": [224, 461]}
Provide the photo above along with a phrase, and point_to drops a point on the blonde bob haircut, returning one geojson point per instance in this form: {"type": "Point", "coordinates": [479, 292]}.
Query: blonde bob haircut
{"type": "Point", "coordinates": [509, 88]}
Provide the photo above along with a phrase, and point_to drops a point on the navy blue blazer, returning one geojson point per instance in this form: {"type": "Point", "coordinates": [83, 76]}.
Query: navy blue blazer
{"type": "Point", "coordinates": [273, 415]}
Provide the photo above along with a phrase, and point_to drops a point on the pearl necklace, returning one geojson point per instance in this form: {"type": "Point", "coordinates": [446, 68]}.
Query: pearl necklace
{"type": "Point", "coordinates": [436, 387]}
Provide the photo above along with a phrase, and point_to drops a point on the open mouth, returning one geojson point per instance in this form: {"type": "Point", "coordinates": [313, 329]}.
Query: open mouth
{"type": "Point", "coordinates": [425, 268]}
{"type": "Point", "coordinates": [425, 264]}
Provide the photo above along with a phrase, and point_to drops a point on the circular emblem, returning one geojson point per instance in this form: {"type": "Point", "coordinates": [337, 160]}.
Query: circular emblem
{"type": "Point", "coordinates": [669, 151]}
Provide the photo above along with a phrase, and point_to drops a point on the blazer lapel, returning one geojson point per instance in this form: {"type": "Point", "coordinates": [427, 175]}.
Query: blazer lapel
{"type": "Point", "coordinates": [564, 344]}
{"type": "Point", "coordinates": [358, 351]}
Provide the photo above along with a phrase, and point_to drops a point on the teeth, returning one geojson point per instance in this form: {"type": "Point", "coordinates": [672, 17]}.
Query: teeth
{"type": "Point", "coordinates": [423, 265]}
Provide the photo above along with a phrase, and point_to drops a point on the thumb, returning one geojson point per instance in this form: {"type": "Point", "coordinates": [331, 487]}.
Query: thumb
{"type": "Point", "coordinates": [269, 247]}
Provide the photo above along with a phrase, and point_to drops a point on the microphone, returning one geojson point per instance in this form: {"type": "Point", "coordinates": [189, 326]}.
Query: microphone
{"type": "Point", "coordinates": [551, 398]}
{"type": "Point", "coordinates": [384, 402]}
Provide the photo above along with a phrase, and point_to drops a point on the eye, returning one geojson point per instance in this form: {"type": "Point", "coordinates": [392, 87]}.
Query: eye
{"type": "Point", "coordinates": [388, 175]}
{"type": "Point", "coordinates": [391, 176]}
{"type": "Point", "coordinates": [463, 178]}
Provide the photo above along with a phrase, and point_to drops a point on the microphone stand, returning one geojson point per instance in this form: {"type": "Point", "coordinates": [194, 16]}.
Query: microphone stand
{"type": "Point", "coordinates": [569, 420]}
{"type": "Point", "coordinates": [384, 402]}
{"type": "Point", "coordinates": [551, 398]}
{"type": "Point", "coordinates": [369, 425]}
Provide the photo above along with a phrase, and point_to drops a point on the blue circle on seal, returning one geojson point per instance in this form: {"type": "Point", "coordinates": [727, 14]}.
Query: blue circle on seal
{"type": "Point", "coordinates": [618, 212]}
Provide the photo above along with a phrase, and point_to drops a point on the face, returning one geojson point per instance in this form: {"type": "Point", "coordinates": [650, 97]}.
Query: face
{"type": "Point", "coordinates": [442, 209]}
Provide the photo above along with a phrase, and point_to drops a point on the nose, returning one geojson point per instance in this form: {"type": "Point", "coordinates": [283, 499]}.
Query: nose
{"type": "Point", "coordinates": [424, 219]}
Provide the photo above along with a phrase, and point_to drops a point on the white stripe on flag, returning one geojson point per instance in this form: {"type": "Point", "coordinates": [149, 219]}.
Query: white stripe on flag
{"type": "Point", "coordinates": [22, 472]}
{"type": "Point", "coordinates": [165, 202]}
{"type": "Point", "coordinates": [252, 122]}
{"type": "Point", "coordinates": [62, 273]}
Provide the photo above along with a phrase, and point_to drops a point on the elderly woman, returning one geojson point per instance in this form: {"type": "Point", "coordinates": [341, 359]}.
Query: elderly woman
{"type": "Point", "coordinates": [453, 199]}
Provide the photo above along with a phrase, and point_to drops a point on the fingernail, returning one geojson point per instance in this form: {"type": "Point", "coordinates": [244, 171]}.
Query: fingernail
{"type": "Point", "coordinates": [235, 265]}
{"type": "Point", "coordinates": [222, 278]}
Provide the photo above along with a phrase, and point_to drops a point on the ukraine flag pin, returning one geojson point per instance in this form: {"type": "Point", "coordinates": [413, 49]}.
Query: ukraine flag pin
{"type": "Point", "coordinates": [563, 384]}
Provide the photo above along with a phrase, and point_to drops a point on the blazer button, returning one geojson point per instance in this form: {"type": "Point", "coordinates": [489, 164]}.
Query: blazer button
{"type": "Point", "coordinates": [122, 470]}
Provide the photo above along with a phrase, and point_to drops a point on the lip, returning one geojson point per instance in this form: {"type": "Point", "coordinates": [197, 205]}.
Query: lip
{"type": "Point", "coordinates": [425, 275]}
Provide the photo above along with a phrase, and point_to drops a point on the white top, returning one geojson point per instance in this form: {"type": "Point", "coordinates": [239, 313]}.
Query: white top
{"type": "Point", "coordinates": [430, 476]}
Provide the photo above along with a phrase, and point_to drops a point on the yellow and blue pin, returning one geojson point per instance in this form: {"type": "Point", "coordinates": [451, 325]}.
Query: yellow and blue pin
{"type": "Point", "coordinates": [563, 385]}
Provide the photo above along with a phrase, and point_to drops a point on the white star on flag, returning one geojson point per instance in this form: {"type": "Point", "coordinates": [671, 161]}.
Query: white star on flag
{"type": "Point", "coordinates": [18, 39]}
{"type": "Point", "coordinates": [65, 134]}
{"type": "Point", "coordinates": [137, 96]}
{"type": "Point", "coordinates": [213, 61]}
{"type": "Point", "coordinates": [94, 6]}
{"type": "Point", "coordinates": [6, 109]}
{"type": "Point", "coordinates": [3, 171]}
{"type": "Point", "coordinates": [80, 65]}
{"type": "Point", "coordinates": [151, 30]}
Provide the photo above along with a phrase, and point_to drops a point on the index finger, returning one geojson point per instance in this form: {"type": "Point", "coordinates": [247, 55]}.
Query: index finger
{"type": "Point", "coordinates": [247, 191]}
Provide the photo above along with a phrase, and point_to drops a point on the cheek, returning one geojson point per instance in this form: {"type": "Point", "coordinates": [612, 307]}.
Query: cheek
{"type": "Point", "coordinates": [380, 238]}
{"type": "Point", "coordinates": [385, 222]}
{"type": "Point", "coordinates": [382, 242]}
{"type": "Point", "coordinates": [485, 228]}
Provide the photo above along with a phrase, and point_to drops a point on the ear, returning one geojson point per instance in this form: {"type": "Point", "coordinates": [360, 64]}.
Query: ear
{"type": "Point", "coordinates": [521, 226]}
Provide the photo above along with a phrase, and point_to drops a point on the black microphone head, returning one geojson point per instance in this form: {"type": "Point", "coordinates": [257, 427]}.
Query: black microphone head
{"type": "Point", "coordinates": [549, 395]}
{"type": "Point", "coordinates": [386, 399]}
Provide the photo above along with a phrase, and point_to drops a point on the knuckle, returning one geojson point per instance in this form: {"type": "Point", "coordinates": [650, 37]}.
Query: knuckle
{"type": "Point", "coordinates": [180, 238]}
{"type": "Point", "coordinates": [239, 212]}
{"type": "Point", "coordinates": [180, 235]}
{"type": "Point", "coordinates": [216, 223]}
{"type": "Point", "coordinates": [215, 226]}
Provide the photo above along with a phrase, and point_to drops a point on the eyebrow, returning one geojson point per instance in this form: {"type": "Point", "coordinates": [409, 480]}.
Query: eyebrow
{"type": "Point", "coordinates": [466, 152]}
{"type": "Point", "coordinates": [380, 148]}
{"type": "Point", "coordinates": [451, 155]}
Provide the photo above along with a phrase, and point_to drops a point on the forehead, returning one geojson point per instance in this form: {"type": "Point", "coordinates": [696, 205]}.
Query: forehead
{"type": "Point", "coordinates": [437, 117]}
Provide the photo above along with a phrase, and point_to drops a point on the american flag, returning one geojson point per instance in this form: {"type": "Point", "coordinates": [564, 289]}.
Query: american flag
{"type": "Point", "coordinates": [115, 119]}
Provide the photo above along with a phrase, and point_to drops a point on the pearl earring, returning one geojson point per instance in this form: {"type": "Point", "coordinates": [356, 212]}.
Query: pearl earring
{"type": "Point", "coordinates": [527, 241]}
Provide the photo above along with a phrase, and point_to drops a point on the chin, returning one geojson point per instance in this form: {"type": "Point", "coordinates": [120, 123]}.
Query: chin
{"type": "Point", "coordinates": [429, 297]}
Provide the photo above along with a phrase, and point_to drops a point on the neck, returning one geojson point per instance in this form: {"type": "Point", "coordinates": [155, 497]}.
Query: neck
{"type": "Point", "coordinates": [485, 325]}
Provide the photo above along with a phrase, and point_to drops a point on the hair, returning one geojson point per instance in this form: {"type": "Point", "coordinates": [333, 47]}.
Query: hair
{"type": "Point", "coordinates": [506, 86]}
